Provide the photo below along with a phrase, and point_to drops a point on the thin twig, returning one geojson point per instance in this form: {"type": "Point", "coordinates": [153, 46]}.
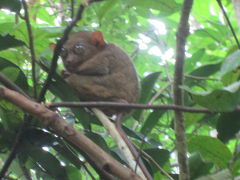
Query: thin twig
{"type": "Point", "coordinates": [146, 155]}
{"type": "Point", "coordinates": [159, 93]}
{"type": "Point", "coordinates": [25, 171]}
{"type": "Point", "coordinates": [229, 23]}
{"type": "Point", "coordinates": [181, 36]}
{"type": "Point", "coordinates": [129, 106]}
{"type": "Point", "coordinates": [13, 152]}
{"type": "Point", "coordinates": [31, 47]}
{"type": "Point", "coordinates": [72, 8]}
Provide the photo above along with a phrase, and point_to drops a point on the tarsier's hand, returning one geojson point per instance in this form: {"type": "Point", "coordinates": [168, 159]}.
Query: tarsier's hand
{"type": "Point", "coordinates": [65, 74]}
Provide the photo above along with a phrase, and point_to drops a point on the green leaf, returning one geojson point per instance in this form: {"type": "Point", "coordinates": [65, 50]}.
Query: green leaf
{"type": "Point", "coordinates": [151, 121]}
{"type": "Point", "coordinates": [222, 175]}
{"type": "Point", "coordinates": [165, 7]}
{"type": "Point", "coordinates": [225, 99]}
{"type": "Point", "coordinates": [13, 5]}
{"type": "Point", "coordinates": [228, 125]}
{"type": "Point", "coordinates": [147, 85]}
{"type": "Point", "coordinates": [107, 6]}
{"type": "Point", "coordinates": [207, 70]}
{"type": "Point", "coordinates": [20, 79]}
{"type": "Point", "coordinates": [48, 162]}
{"type": "Point", "coordinates": [211, 150]}
{"type": "Point", "coordinates": [40, 138]}
{"type": "Point", "coordinates": [198, 167]}
{"type": "Point", "coordinates": [98, 140]}
{"type": "Point", "coordinates": [231, 63]}
{"type": "Point", "coordinates": [10, 118]}
{"type": "Point", "coordinates": [236, 168]}
{"type": "Point", "coordinates": [208, 33]}
{"type": "Point", "coordinates": [161, 156]}
{"type": "Point", "coordinates": [139, 136]}
{"type": "Point", "coordinates": [230, 77]}
{"type": "Point", "coordinates": [9, 41]}
{"type": "Point", "coordinates": [196, 56]}
{"type": "Point", "coordinates": [73, 173]}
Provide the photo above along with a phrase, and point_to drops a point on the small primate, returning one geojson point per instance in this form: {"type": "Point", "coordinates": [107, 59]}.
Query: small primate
{"type": "Point", "coordinates": [100, 71]}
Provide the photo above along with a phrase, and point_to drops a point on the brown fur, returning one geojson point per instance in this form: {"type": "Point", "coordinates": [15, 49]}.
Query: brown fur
{"type": "Point", "coordinates": [103, 73]}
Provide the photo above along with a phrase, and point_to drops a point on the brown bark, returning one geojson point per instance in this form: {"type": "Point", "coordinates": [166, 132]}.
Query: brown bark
{"type": "Point", "coordinates": [60, 126]}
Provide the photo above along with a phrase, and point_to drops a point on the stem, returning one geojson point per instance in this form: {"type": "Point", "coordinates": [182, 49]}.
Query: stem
{"type": "Point", "coordinates": [181, 36]}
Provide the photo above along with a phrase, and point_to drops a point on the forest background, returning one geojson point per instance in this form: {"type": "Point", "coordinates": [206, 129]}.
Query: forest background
{"type": "Point", "coordinates": [146, 30]}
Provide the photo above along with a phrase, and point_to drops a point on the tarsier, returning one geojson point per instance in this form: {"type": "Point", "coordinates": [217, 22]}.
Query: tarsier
{"type": "Point", "coordinates": [100, 71]}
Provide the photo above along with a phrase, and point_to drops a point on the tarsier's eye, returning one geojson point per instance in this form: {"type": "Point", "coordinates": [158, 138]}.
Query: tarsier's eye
{"type": "Point", "coordinates": [79, 49]}
{"type": "Point", "coordinates": [64, 53]}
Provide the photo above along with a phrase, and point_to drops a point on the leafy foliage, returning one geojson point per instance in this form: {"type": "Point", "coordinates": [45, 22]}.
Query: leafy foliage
{"type": "Point", "coordinates": [146, 30]}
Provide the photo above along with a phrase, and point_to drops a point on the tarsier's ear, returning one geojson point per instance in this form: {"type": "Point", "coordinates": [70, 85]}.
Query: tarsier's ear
{"type": "Point", "coordinates": [97, 39]}
{"type": "Point", "coordinates": [52, 46]}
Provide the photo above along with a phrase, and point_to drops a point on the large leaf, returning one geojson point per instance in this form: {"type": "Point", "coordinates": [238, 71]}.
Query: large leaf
{"type": "Point", "coordinates": [49, 163]}
{"type": "Point", "coordinates": [141, 137]}
{"type": "Point", "coordinates": [211, 150]}
{"type": "Point", "coordinates": [147, 86]}
{"type": "Point", "coordinates": [14, 73]}
{"type": "Point", "coordinates": [222, 175]}
{"type": "Point", "coordinates": [225, 99]}
{"type": "Point", "coordinates": [161, 156]}
{"type": "Point", "coordinates": [40, 138]}
{"type": "Point", "coordinates": [208, 33]}
{"type": "Point", "coordinates": [9, 41]}
{"type": "Point", "coordinates": [228, 125]}
{"type": "Point", "coordinates": [107, 6]}
{"type": "Point", "coordinates": [151, 121]}
{"type": "Point", "coordinates": [13, 5]}
{"type": "Point", "coordinates": [98, 140]}
{"type": "Point", "coordinates": [165, 7]}
{"type": "Point", "coordinates": [198, 167]}
{"type": "Point", "coordinates": [231, 63]}
{"type": "Point", "coordinates": [74, 173]}
{"type": "Point", "coordinates": [206, 70]}
{"type": "Point", "coordinates": [196, 56]}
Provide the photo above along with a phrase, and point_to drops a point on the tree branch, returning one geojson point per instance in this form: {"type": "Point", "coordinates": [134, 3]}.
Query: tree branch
{"type": "Point", "coordinates": [129, 106]}
{"type": "Point", "coordinates": [61, 127]}
{"type": "Point", "coordinates": [123, 147]}
{"type": "Point", "coordinates": [8, 83]}
{"type": "Point", "coordinates": [13, 152]}
{"type": "Point", "coordinates": [181, 36]}
{"type": "Point", "coordinates": [31, 47]}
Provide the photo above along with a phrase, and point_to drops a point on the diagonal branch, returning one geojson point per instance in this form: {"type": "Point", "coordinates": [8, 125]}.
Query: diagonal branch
{"type": "Point", "coordinates": [61, 127]}
{"type": "Point", "coordinates": [229, 22]}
